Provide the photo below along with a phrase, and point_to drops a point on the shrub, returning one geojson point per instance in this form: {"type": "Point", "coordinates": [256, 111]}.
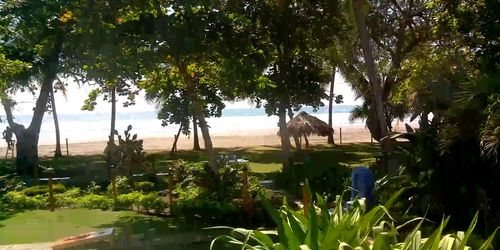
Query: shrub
{"type": "Point", "coordinates": [151, 201]}
{"type": "Point", "coordinates": [95, 201]}
{"type": "Point", "coordinates": [196, 201]}
{"type": "Point", "coordinates": [20, 201]}
{"type": "Point", "coordinates": [131, 151]}
{"type": "Point", "coordinates": [206, 208]}
{"type": "Point", "coordinates": [12, 184]}
{"type": "Point", "coordinates": [127, 201]}
{"type": "Point", "coordinates": [144, 186]}
{"type": "Point", "coordinates": [92, 188]}
{"type": "Point", "coordinates": [122, 185]}
{"type": "Point", "coordinates": [352, 229]}
{"type": "Point", "coordinates": [43, 189]}
{"type": "Point", "coordinates": [328, 180]}
{"type": "Point", "coordinates": [70, 198]}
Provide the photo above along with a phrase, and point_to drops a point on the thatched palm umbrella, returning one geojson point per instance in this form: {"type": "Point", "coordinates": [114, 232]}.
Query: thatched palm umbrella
{"type": "Point", "coordinates": [305, 125]}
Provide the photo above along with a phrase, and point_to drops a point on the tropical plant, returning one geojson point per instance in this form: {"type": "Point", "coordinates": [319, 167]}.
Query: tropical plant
{"type": "Point", "coordinates": [131, 151]}
{"type": "Point", "coordinates": [321, 228]}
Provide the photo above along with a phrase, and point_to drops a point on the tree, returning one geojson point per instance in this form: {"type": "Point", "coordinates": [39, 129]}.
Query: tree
{"type": "Point", "coordinates": [52, 103]}
{"type": "Point", "coordinates": [36, 35]}
{"type": "Point", "coordinates": [196, 141]}
{"type": "Point", "coordinates": [292, 35]}
{"type": "Point", "coordinates": [374, 83]}
{"type": "Point", "coordinates": [174, 107]}
{"type": "Point", "coordinates": [195, 45]}
{"type": "Point", "coordinates": [395, 30]}
{"type": "Point", "coordinates": [105, 56]}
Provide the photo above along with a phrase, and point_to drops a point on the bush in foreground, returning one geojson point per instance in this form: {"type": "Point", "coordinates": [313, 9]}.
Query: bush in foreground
{"type": "Point", "coordinates": [339, 229]}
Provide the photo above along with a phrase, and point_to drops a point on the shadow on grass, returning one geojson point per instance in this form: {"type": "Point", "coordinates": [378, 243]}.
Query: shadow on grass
{"type": "Point", "coordinates": [263, 159]}
{"type": "Point", "coordinates": [140, 232]}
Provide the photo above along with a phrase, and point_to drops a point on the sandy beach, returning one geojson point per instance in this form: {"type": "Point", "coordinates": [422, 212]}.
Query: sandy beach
{"type": "Point", "coordinates": [351, 133]}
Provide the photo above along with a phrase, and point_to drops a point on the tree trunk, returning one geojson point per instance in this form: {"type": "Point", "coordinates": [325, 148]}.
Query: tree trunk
{"type": "Point", "coordinates": [174, 146]}
{"type": "Point", "coordinates": [285, 141]}
{"type": "Point", "coordinates": [196, 140]}
{"type": "Point", "coordinates": [57, 153]}
{"type": "Point", "coordinates": [27, 153]}
{"type": "Point", "coordinates": [200, 115]}
{"type": "Point", "coordinates": [374, 83]}
{"type": "Point", "coordinates": [27, 139]}
{"type": "Point", "coordinates": [295, 137]}
{"type": "Point", "coordinates": [331, 140]}
{"type": "Point", "coordinates": [307, 141]}
{"type": "Point", "coordinates": [113, 115]}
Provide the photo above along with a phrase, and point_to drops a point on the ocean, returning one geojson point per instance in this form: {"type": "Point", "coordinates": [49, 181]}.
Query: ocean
{"type": "Point", "coordinates": [93, 126]}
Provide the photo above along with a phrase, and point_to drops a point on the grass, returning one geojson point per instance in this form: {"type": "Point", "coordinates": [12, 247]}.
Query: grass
{"type": "Point", "coordinates": [43, 226]}
{"type": "Point", "coordinates": [134, 231]}
{"type": "Point", "coordinates": [263, 160]}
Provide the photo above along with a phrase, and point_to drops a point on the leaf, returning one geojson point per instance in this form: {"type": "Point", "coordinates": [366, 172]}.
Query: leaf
{"type": "Point", "coordinates": [409, 129]}
{"type": "Point", "coordinates": [486, 245]}
{"type": "Point", "coordinates": [468, 233]}
{"type": "Point", "coordinates": [433, 241]}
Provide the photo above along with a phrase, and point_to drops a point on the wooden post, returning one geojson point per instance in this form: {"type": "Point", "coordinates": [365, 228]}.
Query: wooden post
{"type": "Point", "coordinates": [50, 172]}
{"type": "Point", "coordinates": [113, 181]}
{"type": "Point", "coordinates": [67, 147]}
{"type": "Point", "coordinates": [340, 135]}
{"type": "Point", "coordinates": [305, 199]}
{"type": "Point", "coordinates": [170, 190]}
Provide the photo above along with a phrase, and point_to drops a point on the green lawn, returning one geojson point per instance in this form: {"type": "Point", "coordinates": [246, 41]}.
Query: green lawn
{"type": "Point", "coordinates": [42, 226]}
{"type": "Point", "coordinates": [263, 160]}
{"type": "Point", "coordinates": [133, 230]}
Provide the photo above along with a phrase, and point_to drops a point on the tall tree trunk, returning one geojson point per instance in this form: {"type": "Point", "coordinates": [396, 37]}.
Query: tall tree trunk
{"type": "Point", "coordinates": [174, 146]}
{"type": "Point", "coordinates": [285, 140]}
{"type": "Point", "coordinates": [374, 83]}
{"type": "Point", "coordinates": [58, 152]}
{"type": "Point", "coordinates": [331, 140]}
{"type": "Point", "coordinates": [295, 137]}
{"type": "Point", "coordinates": [307, 141]}
{"type": "Point", "coordinates": [196, 140]}
{"type": "Point", "coordinates": [200, 115]}
{"type": "Point", "coordinates": [27, 139]}
{"type": "Point", "coordinates": [113, 115]}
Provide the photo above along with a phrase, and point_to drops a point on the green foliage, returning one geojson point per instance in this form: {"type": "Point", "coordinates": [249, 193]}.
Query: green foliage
{"type": "Point", "coordinates": [92, 188]}
{"type": "Point", "coordinates": [201, 193]}
{"type": "Point", "coordinates": [355, 228]}
{"type": "Point", "coordinates": [12, 184]}
{"type": "Point", "coordinates": [122, 185]}
{"type": "Point", "coordinates": [206, 207]}
{"type": "Point", "coordinates": [128, 200]}
{"type": "Point", "coordinates": [90, 103]}
{"type": "Point", "coordinates": [43, 189]}
{"type": "Point", "coordinates": [95, 201]}
{"type": "Point", "coordinates": [131, 152]}
{"type": "Point", "coordinates": [70, 198]}
{"type": "Point", "coordinates": [325, 179]}
{"type": "Point", "coordinates": [151, 201]}
{"type": "Point", "coordinates": [20, 201]}
{"type": "Point", "coordinates": [144, 186]}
